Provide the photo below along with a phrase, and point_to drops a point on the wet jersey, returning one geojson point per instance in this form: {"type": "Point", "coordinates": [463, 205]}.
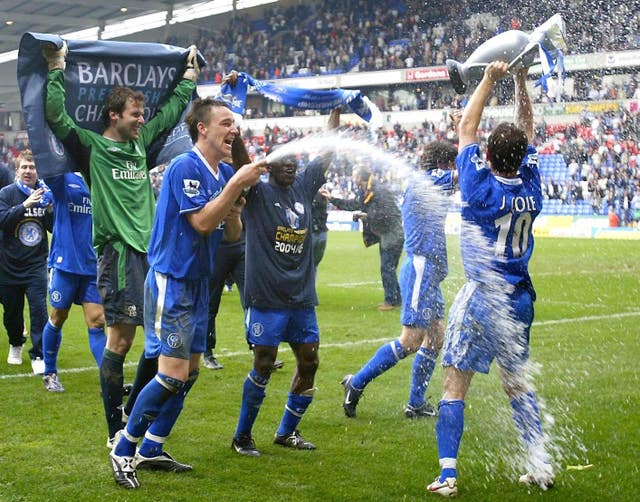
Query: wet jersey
{"type": "Point", "coordinates": [279, 271]}
{"type": "Point", "coordinates": [498, 215]}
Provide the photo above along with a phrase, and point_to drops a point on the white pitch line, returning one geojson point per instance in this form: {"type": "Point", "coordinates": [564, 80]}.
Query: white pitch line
{"type": "Point", "coordinates": [551, 322]}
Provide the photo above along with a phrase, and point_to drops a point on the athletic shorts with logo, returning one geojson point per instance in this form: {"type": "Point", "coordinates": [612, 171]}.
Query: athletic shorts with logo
{"type": "Point", "coordinates": [269, 327]}
{"type": "Point", "coordinates": [422, 300]}
{"type": "Point", "coordinates": [176, 315]}
{"type": "Point", "coordinates": [487, 323]}
{"type": "Point", "coordinates": [66, 288]}
{"type": "Point", "coordinates": [121, 275]}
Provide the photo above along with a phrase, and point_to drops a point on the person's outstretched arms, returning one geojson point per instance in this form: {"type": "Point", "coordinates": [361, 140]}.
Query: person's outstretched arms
{"type": "Point", "coordinates": [523, 109]}
{"type": "Point", "coordinates": [468, 126]}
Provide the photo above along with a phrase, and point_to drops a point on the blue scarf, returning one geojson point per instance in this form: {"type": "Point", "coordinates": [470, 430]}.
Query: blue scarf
{"type": "Point", "coordinates": [47, 197]}
{"type": "Point", "coordinates": [308, 99]}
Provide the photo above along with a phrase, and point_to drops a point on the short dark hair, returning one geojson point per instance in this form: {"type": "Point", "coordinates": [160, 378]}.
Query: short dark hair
{"type": "Point", "coordinates": [437, 154]}
{"type": "Point", "coordinates": [116, 101]}
{"type": "Point", "coordinates": [506, 147]}
{"type": "Point", "coordinates": [201, 112]}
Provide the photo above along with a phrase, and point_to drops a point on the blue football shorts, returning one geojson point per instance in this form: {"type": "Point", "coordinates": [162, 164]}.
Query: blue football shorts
{"type": "Point", "coordinates": [486, 324]}
{"type": "Point", "coordinates": [66, 288]}
{"type": "Point", "coordinates": [176, 314]}
{"type": "Point", "coordinates": [269, 327]}
{"type": "Point", "coordinates": [422, 300]}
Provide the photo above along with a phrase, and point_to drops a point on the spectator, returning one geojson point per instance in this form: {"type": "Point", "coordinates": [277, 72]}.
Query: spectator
{"type": "Point", "coordinates": [26, 215]}
{"type": "Point", "coordinates": [377, 207]}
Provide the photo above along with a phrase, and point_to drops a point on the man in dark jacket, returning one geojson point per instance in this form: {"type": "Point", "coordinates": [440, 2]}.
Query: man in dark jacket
{"type": "Point", "coordinates": [25, 217]}
{"type": "Point", "coordinates": [377, 206]}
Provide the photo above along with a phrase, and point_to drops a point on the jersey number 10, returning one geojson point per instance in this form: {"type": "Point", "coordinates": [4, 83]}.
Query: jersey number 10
{"type": "Point", "coordinates": [520, 231]}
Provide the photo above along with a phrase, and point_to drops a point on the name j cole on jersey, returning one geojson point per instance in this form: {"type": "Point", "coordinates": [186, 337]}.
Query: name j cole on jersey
{"type": "Point", "coordinates": [519, 204]}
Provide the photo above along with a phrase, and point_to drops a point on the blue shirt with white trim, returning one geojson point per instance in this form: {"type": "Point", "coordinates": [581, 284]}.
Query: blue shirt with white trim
{"type": "Point", "coordinates": [503, 210]}
{"type": "Point", "coordinates": [175, 248]}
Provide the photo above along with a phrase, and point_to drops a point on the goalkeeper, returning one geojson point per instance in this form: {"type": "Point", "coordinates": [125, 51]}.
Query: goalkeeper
{"type": "Point", "coordinates": [115, 168]}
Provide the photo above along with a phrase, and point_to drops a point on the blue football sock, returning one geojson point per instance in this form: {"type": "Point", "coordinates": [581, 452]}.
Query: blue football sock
{"type": "Point", "coordinates": [148, 406]}
{"type": "Point", "coordinates": [423, 366]}
{"type": "Point", "coordinates": [111, 379]}
{"type": "Point", "coordinates": [161, 427]}
{"type": "Point", "coordinates": [296, 405]}
{"type": "Point", "coordinates": [526, 416]}
{"type": "Point", "coordinates": [449, 430]}
{"type": "Point", "coordinates": [97, 342]}
{"type": "Point", "coordinates": [51, 339]}
{"type": "Point", "coordinates": [253, 393]}
{"type": "Point", "coordinates": [386, 357]}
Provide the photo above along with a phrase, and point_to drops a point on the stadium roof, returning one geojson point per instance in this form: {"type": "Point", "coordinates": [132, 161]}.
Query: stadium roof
{"type": "Point", "coordinates": [90, 19]}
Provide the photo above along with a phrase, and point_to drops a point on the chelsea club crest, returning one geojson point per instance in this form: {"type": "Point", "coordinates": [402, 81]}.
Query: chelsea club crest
{"type": "Point", "coordinates": [30, 234]}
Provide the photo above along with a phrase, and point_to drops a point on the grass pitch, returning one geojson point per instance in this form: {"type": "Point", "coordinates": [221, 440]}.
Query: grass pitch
{"type": "Point", "coordinates": [585, 369]}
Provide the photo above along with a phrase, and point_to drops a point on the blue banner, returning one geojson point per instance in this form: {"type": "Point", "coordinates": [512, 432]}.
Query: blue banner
{"type": "Point", "coordinates": [93, 69]}
{"type": "Point", "coordinates": [297, 97]}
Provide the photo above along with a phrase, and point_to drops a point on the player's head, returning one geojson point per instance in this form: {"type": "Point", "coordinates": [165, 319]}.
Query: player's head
{"type": "Point", "coordinates": [123, 113]}
{"type": "Point", "coordinates": [205, 115]}
{"type": "Point", "coordinates": [26, 168]}
{"type": "Point", "coordinates": [362, 176]}
{"type": "Point", "coordinates": [283, 168]}
{"type": "Point", "coordinates": [438, 155]}
{"type": "Point", "coordinates": [506, 147]}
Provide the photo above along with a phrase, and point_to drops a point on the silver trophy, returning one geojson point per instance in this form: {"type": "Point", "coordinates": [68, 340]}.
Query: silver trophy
{"type": "Point", "coordinates": [515, 47]}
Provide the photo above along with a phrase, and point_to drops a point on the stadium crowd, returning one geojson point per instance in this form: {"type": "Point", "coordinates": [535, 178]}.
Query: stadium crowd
{"type": "Point", "coordinates": [357, 35]}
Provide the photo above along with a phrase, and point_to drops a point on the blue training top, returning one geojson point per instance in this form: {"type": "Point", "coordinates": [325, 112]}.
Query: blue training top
{"type": "Point", "coordinates": [504, 210]}
{"type": "Point", "coordinates": [71, 240]}
{"type": "Point", "coordinates": [279, 271]}
{"type": "Point", "coordinates": [175, 248]}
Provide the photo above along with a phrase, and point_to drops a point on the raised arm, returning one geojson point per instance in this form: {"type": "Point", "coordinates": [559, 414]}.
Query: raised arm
{"type": "Point", "coordinates": [523, 109]}
{"type": "Point", "coordinates": [468, 126]}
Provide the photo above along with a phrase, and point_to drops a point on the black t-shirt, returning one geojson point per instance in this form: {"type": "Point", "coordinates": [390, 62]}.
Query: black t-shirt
{"type": "Point", "coordinates": [279, 270]}
{"type": "Point", "coordinates": [25, 243]}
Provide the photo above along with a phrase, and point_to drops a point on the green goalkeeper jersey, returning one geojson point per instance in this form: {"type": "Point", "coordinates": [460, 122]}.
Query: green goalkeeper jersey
{"type": "Point", "coordinates": [121, 193]}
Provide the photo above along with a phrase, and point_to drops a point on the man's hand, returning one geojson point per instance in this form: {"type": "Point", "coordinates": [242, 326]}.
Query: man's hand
{"type": "Point", "coordinates": [249, 174]}
{"type": "Point", "coordinates": [236, 209]}
{"type": "Point", "coordinates": [496, 70]}
{"type": "Point", "coordinates": [193, 68]}
{"type": "Point", "coordinates": [230, 78]}
{"type": "Point", "coordinates": [455, 116]}
{"type": "Point", "coordinates": [325, 193]}
{"type": "Point", "coordinates": [55, 57]}
{"type": "Point", "coordinates": [34, 198]}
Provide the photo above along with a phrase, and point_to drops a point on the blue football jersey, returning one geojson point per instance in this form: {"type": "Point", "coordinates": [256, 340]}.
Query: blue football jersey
{"type": "Point", "coordinates": [71, 240]}
{"type": "Point", "coordinates": [175, 248]}
{"type": "Point", "coordinates": [498, 215]}
{"type": "Point", "coordinates": [279, 271]}
{"type": "Point", "coordinates": [424, 210]}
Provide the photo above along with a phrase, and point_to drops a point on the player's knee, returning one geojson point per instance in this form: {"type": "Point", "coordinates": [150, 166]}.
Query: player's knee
{"type": "Point", "coordinates": [58, 317]}
{"type": "Point", "coordinates": [95, 322]}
